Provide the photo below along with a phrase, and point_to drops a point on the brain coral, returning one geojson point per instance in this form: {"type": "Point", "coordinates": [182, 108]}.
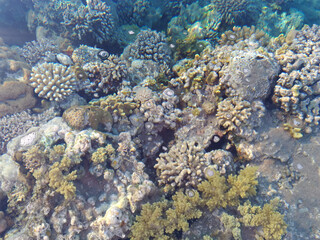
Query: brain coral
{"type": "Point", "coordinates": [53, 81]}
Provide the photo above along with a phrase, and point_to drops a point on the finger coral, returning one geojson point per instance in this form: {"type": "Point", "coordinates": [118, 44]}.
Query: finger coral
{"type": "Point", "coordinates": [53, 81]}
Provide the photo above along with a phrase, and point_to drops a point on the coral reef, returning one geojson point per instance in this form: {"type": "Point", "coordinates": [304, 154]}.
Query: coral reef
{"type": "Point", "coordinates": [53, 81]}
{"type": "Point", "coordinates": [105, 76]}
{"type": "Point", "coordinates": [149, 45]}
{"type": "Point", "coordinates": [231, 10]}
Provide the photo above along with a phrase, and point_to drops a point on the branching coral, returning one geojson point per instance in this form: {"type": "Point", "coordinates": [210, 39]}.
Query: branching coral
{"type": "Point", "coordinates": [93, 20]}
{"type": "Point", "coordinates": [182, 166]}
{"type": "Point", "coordinates": [53, 81]}
{"type": "Point", "coordinates": [149, 45]}
{"type": "Point", "coordinates": [233, 113]}
{"type": "Point", "coordinates": [273, 225]}
{"type": "Point", "coordinates": [61, 182]}
{"type": "Point", "coordinates": [105, 76]}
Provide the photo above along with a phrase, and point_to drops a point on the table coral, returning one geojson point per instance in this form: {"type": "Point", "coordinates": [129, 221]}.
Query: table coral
{"type": "Point", "coordinates": [53, 81]}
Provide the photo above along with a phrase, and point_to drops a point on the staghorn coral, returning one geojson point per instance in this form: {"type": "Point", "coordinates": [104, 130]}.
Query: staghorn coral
{"type": "Point", "coordinates": [105, 76]}
{"type": "Point", "coordinates": [93, 20]}
{"type": "Point", "coordinates": [149, 45]}
{"type": "Point", "coordinates": [53, 81]}
{"type": "Point", "coordinates": [297, 88]}
{"type": "Point", "coordinates": [15, 97]}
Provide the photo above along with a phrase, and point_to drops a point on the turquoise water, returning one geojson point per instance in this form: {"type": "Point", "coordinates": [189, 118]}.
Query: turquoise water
{"type": "Point", "coordinates": [137, 119]}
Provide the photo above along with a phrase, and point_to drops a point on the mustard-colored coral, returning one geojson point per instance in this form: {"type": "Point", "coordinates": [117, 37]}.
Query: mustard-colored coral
{"type": "Point", "coordinates": [232, 224]}
{"type": "Point", "coordinates": [214, 191]}
{"type": "Point", "coordinates": [184, 208]}
{"type": "Point", "coordinates": [218, 192]}
{"type": "Point", "coordinates": [159, 220]}
{"type": "Point", "coordinates": [242, 185]}
{"type": "Point", "coordinates": [102, 154]}
{"type": "Point", "coordinates": [115, 105]}
{"type": "Point", "coordinates": [61, 182]}
{"type": "Point", "coordinates": [151, 222]}
{"type": "Point", "coordinates": [272, 222]}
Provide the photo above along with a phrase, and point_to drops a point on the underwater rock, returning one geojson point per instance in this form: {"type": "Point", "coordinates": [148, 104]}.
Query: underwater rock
{"type": "Point", "coordinates": [15, 97]}
{"type": "Point", "coordinates": [81, 117]}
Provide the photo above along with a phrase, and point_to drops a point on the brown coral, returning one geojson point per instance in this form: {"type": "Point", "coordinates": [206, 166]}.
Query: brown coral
{"type": "Point", "coordinates": [80, 117]}
{"type": "Point", "coordinates": [183, 165]}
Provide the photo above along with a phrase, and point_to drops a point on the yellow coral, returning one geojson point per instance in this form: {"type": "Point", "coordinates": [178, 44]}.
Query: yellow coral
{"type": "Point", "coordinates": [243, 185]}
{"type": "Point", "coordinates": [184, 209]}
{"type": "Point", "coordinates": [61, 182]}
{"type": "Point", "coordinates": [151, 222]}
{"type": "Point", "coordinates": [102, 154]}
{"type": "Point", "coordinates": [214, 191]}
{"type": "Point", "coordinates": [273, 225]}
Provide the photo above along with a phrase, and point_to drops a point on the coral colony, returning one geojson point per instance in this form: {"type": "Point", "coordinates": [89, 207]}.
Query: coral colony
{"type": "Point", "coordinates": [160, 120]}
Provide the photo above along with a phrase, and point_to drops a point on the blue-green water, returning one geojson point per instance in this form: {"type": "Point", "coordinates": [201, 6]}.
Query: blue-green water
{"type": "Point", "coordinates": [137, 119]}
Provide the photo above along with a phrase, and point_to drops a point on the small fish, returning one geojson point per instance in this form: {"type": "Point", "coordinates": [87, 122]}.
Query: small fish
{"type": "Point", "coordinates": [131, 32]}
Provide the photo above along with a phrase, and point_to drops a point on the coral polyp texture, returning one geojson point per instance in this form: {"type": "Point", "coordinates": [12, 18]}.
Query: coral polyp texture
{"type": "Point", "coordinates": [53, 81]}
